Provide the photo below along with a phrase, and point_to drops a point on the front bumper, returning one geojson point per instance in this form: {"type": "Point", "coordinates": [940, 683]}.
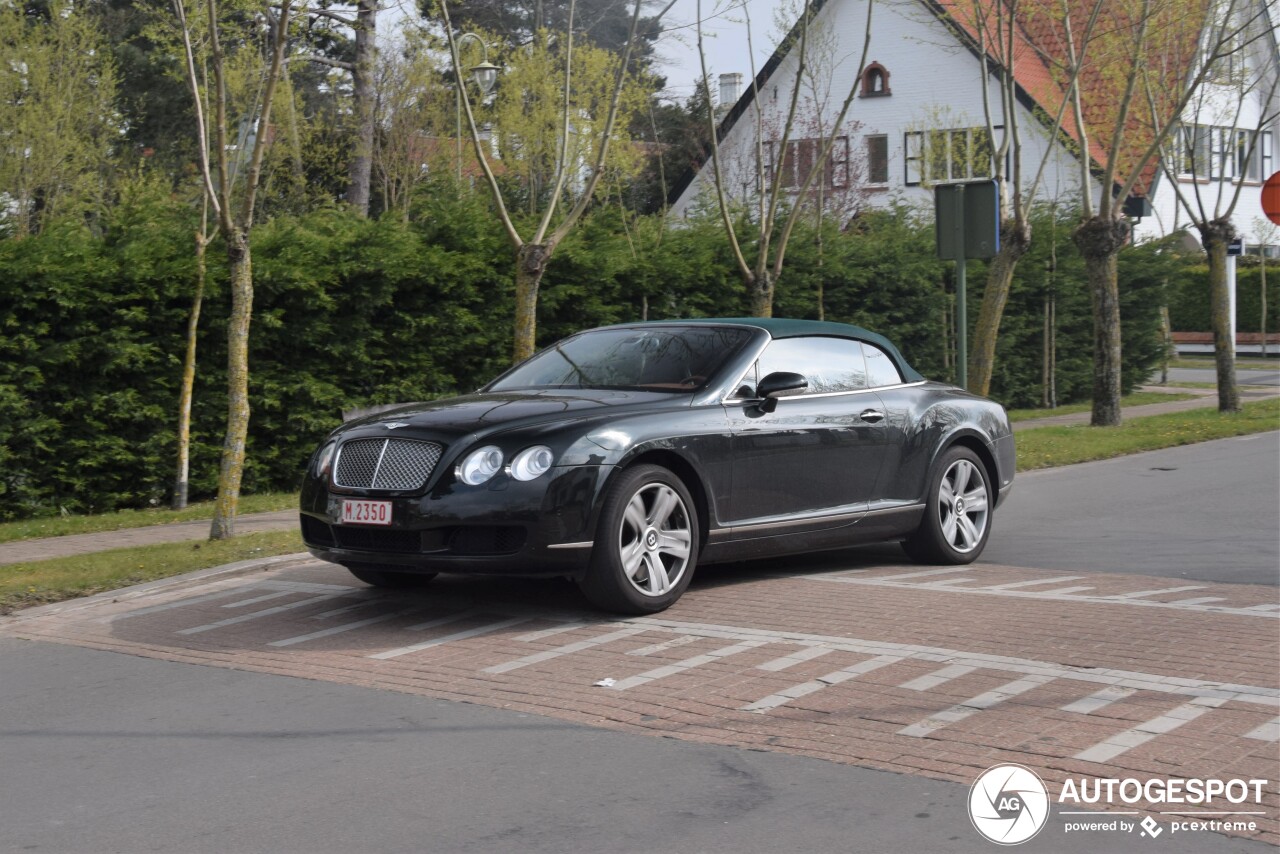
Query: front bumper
{"type": "Point", "coordinates": [508, 527]}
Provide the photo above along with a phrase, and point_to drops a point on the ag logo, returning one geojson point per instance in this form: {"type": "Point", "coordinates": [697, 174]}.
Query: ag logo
{"type": "Point", "coordinates": [1008, 804]}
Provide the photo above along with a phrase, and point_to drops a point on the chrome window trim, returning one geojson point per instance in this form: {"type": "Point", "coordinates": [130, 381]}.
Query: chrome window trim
{"type": "Point", "coordinates": [737, 400]}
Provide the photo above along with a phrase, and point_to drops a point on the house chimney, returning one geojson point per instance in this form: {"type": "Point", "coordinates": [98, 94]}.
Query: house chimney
{"type": "Point", "coordinates": [730, 88]}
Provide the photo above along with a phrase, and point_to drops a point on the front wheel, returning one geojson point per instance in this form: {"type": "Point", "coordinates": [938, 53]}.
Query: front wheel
{"type": "Point", "coordinates": [647, 544]}
{"type": "Point", "coordinates": [957, 519]}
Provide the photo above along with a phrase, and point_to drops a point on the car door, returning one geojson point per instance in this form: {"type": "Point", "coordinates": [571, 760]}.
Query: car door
{"type": "Point", "coordinates": [817, 455]}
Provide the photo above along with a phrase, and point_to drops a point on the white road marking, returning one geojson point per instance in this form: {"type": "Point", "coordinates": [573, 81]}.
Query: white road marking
{"type": "Point", "coordinates": [551, 632]}
{"type": "Point", "coordinates": [655, 648]}
{"type": "Point", "coordinates": [181, 603]}
{"type": "Point", "coordinates": [345, 627]}
{"type": "Point", "coordinates": [442, 621]}
{"type": "Point", "coordinates": [1270, 731]}
{"type": "Point", "coordinates": [1014, 585]}
{"type": "Point", "coordinates": [1201, 600]}
{"type": "Point", "coordinates": [1060, 594]}
{"type": "Point", "coordinates": [266, 597]}
{"type": "Point", "coordinates": [805, 688]}
{"type": "Point", "coordinates": [805, 654]}
{"type": "Point", "coordinates": [456, 636]}
{"type": "Point", "coordinates": [1142, 593]}
{"type": "Point", "coordinates": [567, 649]}
{"type": "Point", "coordinates": [937, 677]}
{"type": "Point", "coordinates": [244, 618]}
{"type": "Point", "coordinates": [1099, 700]}
{"type": "Point", "coordinates": [1173, 685]}
{"type": "Point", "coordinates": [927, 573]}
{"type": "Point", "coordinates": [681, 666]}
{"type": "Point", "coordinates": [973, 705]}
{"type": "Point", "coordinates": [1125, 741]}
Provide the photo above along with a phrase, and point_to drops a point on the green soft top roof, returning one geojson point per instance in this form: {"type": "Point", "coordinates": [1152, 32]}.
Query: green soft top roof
{"type": "Point", "coordinates": [784, 327]}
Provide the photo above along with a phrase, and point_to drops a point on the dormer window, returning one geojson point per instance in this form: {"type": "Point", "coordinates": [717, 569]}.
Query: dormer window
{"type": "Point", "coordinates": [875, 81]}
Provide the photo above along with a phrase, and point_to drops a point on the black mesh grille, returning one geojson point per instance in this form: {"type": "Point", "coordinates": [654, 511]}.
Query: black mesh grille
{"type": "Point", "coordinates": [495, 540]}
{"type": "Point", "coordinates": [315, 531]}
{"type": "Point", "coordinates": [372, 540]}
{"type": "Point", "coordinates": [392, 464]}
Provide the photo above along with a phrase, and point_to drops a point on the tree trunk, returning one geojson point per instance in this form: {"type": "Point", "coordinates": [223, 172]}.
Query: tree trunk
{"type": "Point", "coordinates": [233, 448]}
{"type": "Point", "coordinates": [761, 290]}
{"type": "Point", "coordinates": [531, 263]}
{"type": "Point", "coordinates": [1099, 240]}
{"type": "Point", "coordinates": [362, 73]}
{"type": "Point", "coordinates": [1215, 235]}
{"type": "Point", "coordinates": [180, 487]}
{"type": "Point", "coordinates": [1014, 243]}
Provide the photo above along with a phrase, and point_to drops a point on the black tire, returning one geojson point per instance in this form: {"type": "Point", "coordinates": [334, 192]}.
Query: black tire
{"type": "Point", "coordinates": [391, 578]}
{"type": "Point", "coordinates": [646, 546]}
{"type": "Point", "coordinates": [955, 527]}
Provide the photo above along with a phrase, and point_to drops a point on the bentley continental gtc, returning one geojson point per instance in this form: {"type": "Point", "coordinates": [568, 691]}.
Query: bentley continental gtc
{"type": "Point", "coordinates": [626, 456]}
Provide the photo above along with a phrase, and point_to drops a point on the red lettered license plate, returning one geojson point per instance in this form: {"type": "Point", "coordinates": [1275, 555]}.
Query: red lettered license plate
{"type": "Point", "coordinates": [356, 512]}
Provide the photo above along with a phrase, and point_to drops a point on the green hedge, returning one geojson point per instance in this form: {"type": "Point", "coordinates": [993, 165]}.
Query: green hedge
{"type": "Point", "coordinates": [350, 312]}
{"type": "Point", "coordinates": [1189, 297]}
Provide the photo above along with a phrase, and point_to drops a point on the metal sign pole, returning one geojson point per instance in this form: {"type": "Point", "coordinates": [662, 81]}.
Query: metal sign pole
{"type": "Point", "coordinates": [962, 304]}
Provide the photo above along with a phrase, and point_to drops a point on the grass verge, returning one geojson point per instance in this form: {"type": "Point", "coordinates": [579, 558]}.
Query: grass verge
{"type": "Point", "coordinates": [1138, 398]}
{"type": "Point", "coordinates": [1042, 447]}
{"type": "Point", "coordinates": [61, 526]}
{"type": "Point", "coordinates": [40, 582]}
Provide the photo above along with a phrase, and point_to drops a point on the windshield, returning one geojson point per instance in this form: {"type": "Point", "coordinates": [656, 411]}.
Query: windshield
{"type": "Point", "coordinates": [671, 359]}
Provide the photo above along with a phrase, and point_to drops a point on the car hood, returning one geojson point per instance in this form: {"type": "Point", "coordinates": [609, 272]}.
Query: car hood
{"type": "Point", "coordinates": [458, 416]}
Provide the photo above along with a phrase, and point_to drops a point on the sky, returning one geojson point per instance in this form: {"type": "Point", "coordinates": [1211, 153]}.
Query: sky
{"type": "Point", "coordinates": [724, 35]}
{"type": "Point", "coordinates": [725, 31]}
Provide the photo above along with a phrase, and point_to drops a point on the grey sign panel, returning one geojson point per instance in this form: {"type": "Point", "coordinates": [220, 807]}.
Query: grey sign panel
{"type": "Point", "coordinates": [967, 220]}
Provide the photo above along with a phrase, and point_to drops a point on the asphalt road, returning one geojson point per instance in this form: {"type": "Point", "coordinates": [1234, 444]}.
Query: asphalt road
{"type": "Point", "coordinates": [1205, 512]}
{"type": "Point", "coordinates": [106, 752]}
{"type": "Point", "coordinates": [109, 753]}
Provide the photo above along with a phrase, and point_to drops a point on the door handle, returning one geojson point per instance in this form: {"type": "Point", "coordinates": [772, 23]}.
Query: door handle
{"type": "Point", "coordinates": [872, 415]}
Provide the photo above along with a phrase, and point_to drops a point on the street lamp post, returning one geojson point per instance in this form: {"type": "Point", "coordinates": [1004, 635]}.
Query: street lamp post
{"type": "Point", "coordinates": [485, 75]}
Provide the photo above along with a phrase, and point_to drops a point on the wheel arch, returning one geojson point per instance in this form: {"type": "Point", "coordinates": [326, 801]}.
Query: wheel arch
{"type": "Point", "coordinates": [683, 469]}
{"type": "Point", "coordinates": [974, 443]}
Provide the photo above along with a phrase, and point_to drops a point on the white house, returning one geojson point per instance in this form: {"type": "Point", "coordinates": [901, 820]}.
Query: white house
{"type": "Point", "coordinates": [918, 120]}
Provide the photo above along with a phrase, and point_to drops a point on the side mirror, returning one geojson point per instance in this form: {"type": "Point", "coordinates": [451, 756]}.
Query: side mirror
{"type": "Point", "coordinates": [776, 385]}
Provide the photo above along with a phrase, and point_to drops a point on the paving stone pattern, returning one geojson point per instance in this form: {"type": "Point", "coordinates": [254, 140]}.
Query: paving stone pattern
{"type": "Point", "coordinates": [940, 673]}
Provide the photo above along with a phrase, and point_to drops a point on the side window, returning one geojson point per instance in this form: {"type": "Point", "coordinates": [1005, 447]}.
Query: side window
{"type": "Point", "coordinates": [829, 364]}
{"type": "Point", "coordinates": [881, 370]}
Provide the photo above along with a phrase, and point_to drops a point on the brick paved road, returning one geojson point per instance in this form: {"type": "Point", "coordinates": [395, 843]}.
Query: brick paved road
{"type": "Point", "coordinates": [940, 673]}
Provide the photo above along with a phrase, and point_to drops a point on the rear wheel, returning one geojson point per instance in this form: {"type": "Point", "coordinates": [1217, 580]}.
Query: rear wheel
{"type": "Point", "coordinates": [394, 578]}
{"type": "Point", "coordinates": [957, 520]}
{"type": "Point", "coordinates": [647, 543]}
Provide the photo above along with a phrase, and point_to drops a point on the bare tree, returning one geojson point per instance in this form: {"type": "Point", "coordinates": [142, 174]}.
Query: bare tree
{"type": "Point", "coordinates": [534, 252]}
{"type": "Point", "coordinates": [1140, 46]}
{"type": "Point", "coordinates": [768, 245]}
{"type": "Point", "coordinates": [235, 220]}
{"type": "Point", "coordinates": [998, 30]}
{"type": "Point", "coordinates": [1221, 144]}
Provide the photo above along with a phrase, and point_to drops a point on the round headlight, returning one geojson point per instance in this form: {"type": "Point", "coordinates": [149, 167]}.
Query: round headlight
{"type": "Point", "coordinates": [531, 462]}
{"type": "Point", "coordinates": [479, 465]}
{"type": "Point", "coordinates": [324, 458]}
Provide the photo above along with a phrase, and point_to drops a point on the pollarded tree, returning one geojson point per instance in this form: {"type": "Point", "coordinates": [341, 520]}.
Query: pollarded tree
{"type": "Point", "coordinates": [558, 116]}
{"type": "Point", "coordinates": [1219, 147]}
{"type": "Point", "coordinates": [232, 200]}
{"type": "Point", "coordinates": [783, 171]}
{"type": "Point", "coordinates": [1133, 75]}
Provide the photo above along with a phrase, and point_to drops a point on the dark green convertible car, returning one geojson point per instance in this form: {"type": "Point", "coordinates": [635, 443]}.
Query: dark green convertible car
{"type": "Point", "coordinates": [624, 457]}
